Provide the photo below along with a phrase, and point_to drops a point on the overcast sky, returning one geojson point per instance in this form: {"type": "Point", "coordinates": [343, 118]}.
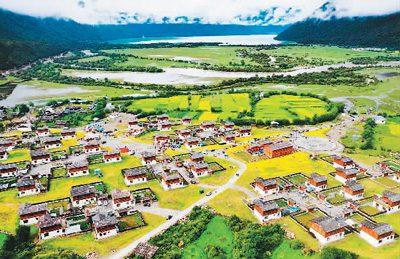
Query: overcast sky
{"type": "Point", "coordinates": [204, 11]}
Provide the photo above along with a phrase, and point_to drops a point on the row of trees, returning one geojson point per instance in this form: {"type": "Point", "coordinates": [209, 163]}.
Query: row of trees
{"type": "Point", "coordinates": [368, 134]}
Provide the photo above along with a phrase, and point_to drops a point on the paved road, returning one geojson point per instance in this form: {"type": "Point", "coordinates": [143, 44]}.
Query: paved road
{"type": "Point", "coordinates": [182, 214]}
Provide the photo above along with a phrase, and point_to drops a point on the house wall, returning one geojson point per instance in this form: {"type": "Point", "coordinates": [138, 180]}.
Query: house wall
{"type": "Point", "coordinates": [376, 242]}
{"type": "Point", "coordinates": [132, 181]}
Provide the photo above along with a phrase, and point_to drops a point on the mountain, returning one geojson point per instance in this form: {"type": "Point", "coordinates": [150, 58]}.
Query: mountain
{"type": "Point", "coordinates": [24, 38]}
{"type": "Point", "coordinates": [382, 31]}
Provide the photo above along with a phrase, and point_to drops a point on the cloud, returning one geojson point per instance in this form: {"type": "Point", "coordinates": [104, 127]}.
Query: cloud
{"type": "Point", "coordinates": [193, 11]}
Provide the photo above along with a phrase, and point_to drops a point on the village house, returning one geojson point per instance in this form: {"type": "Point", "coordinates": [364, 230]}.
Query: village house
{"type": "Point", "coordinates": [162, 140]}
{"type": "Point", "coordinates": [255, 148]}
{"type": "Point", "coordinates": [353, 190]}
{"type": "Point", "coordinates": [388, 201]}
{"type": "Point", "coordinates": [135, 130]}
{"type": "Point", "coordinates": [266, 186]}
{"type": "Point", "coordinates": [200, 169]}
{"type": "Point", "coordinates": [83, 195]}
{"type": "Point", "coordinates": [317, 182]}
{"type": "Point", "coordinates": [50, 227]}
{"type": "Point", "coordinates": [344, 175]}
{"type": "Point", "coordinates": [3, 153]}
{"type": "Point", "coordinates": [7, 144]}
{"type": "Point", "coordinates": [197, 157]}
{"type": "Point", "coordinates": [92, 147]}
{"type": "Point", "coordinates": [164, 126]}
{"type": "Point", "coordinates": [207, 125]}
{"type": "Point", "coordinates": [105, 225]}
{"type": "Point", "coordinates": [43, 132]}
{"type": "Point", "coordinates": [112, 156]}
{"type": "Point", "coordinates": [376, 234]}
{"type": "Point", "coordinates": [40, 156]}
{"type": "Point", "coordinates": [149, 158]}
{"type": "Point", "coordinates": [186, 120]}
{"type": "Point", "coordinates": [343, 163]}
{"type": "Point", "coordinates": [27, 186]}
{"type": "Point", "coordinates": [266, 210]}
{"type": "Point", "coordinates": [184, 133]}
{"type": "Point", "coordinates": [278, 149]}
{"type": "Point", "coordinates": [132, 124]}
{"type": "Point", "coordinates": [68, 134]}
{"type": "Point", "coordinates": [229, 138]}
{"type": "Point", "coordinates": [135, 175]}
{"type": "Point", "coordinates": [171, 181]}
{"type": "Point", "coordinates": [29, 214]}
{"type": "Point", "coordinates": [162, 118]}
{"type": "Point", "coordinates": [51, 142]}
{"type": "Point", "coordinates": [228, 126]}
{"type": "Point", "coordinates": [244, 131]}
{"type": "Point", "coordinates": [76, 169]}
{"type": "Point", "coordinates": [327, 229]}
{"type": "Point", "coordinates": [8, 170]}
{"type": "Point", "coordinates": [122, 201]}
{"type": "Point", "coordinates": [192, 142]}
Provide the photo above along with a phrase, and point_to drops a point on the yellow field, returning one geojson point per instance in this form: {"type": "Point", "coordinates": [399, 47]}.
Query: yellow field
{"type": "Point", "coordinates": [297, 162]}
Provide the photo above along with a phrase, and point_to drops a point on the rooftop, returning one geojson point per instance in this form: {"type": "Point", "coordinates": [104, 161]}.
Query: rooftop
{"type": "Point", "coordinates": [379, 228]}
{"type": "Point", "coordinates": [82, 190]}
{"type": "Point", "coordinates": [266, 205]}
{"type": "Point", "coordinates": [135, 171]}
{"type": "Point", "coordinates": [329, 224]}
{"type": "Point", "coordinates": [266, 182]}
{"type": "Point", "coordinates": [319, 178]}
{"type": "Point", "coordinates": [28, 208]}
{"type": "Point", "coordinates": [104, 220]}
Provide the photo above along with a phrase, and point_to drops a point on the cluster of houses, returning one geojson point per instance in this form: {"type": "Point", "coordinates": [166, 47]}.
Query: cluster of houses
{"type": "Point", "coordinates": [327, 228]}
{"type": "Point", "coordinates": [86, 206]}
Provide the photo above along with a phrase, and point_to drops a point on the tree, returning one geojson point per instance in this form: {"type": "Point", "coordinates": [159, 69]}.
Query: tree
{"type": "Point", "coordinates": [336, 253]}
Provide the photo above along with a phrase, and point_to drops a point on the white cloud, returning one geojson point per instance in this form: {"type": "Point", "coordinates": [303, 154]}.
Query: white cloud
{"type": "Point", "coordinates": [209, 11]}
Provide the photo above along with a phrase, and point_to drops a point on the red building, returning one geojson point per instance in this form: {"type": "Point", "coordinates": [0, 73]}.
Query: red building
{"type": "Point", "coordinates": [277, 149]}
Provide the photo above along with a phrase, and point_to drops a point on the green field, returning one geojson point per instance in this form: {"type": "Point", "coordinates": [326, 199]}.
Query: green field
{"type": "Point", "coordinates": [217, 234]}
{"type": "Point", "coordinates": [328, 53]}
{"type": "Point", "coordinates": [211, 107]}
{"type": "Point", "coordinates": [278, 107]}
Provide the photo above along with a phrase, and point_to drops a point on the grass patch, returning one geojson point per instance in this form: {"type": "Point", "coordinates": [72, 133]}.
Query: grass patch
{"type": "Point", "coordinates": [230, 202]}
{"type": "Point", "coordinates": [217, 234]}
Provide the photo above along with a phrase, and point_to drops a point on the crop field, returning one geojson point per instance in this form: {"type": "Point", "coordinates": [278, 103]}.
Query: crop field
{"type": "Point", "coordinates": [288, 107]}
{"type": "Point", "coordinates": [211, 107]}
{"type": "Point", "coordinates": [283, 166]}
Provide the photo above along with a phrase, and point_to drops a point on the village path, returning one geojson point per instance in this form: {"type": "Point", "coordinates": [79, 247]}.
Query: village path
{"type": "Point", "coordinates": [182, 214]}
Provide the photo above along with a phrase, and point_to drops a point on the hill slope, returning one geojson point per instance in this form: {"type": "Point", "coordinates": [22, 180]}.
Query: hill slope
{"type": "Point", "coordinates": [381, 31]}
{"type": "Point", "coordinates": [25, 38]}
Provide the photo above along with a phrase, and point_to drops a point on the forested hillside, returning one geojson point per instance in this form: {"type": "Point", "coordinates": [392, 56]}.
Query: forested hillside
{"type": "Point", "coordinates": [360, 31]}
{"type": "Point", "coordinates": [24, 38]}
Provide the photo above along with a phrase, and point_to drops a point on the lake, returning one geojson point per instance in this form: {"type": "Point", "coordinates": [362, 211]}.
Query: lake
{"type": "Point", "coordinates": [263, 39]}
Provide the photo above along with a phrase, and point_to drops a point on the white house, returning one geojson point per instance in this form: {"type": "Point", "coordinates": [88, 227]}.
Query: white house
{"type": "Point", "coordinates": [388, 202]}
{"type": "Point", "coordinates": [266, 210]}
{"type": "Point", "coordinates": [171, 181]}
{"type": "Point", "coordinates": [40, 157]}
{"type": "Point", "coordinates": [27, 186]}
{"type": "Point", "coordinates": [327, 229]}
{"type": "Point", "coordinates": [112, 156]}
{"type": "Point", "coordinates": [3, 153]}
{"type": "Point", "coordinates": [376, 234]}
{"type": "Point", "coordinates": [266, 186]}
{"type": "Point", "coordinates": [50, 227]}
{"type": "Point", "coordinates": [353, 190]}
{"type": "Point", "coordinates": [83, 195]}
{"type": "Point", "coordinates": [122, 201]}
{"type": "Point", "coordinates": [79, 168]}
{"type": "Point", "coordinates": [8, 170]}
{"type": "Point", "coordinates": [29, 214]}
{"type": "Point", "coordinates": [52, 142]}
{"type": "Point", "coordinates": [135, 175]}
{"type": "Point", "coordinates": [379, 119]}
{"type": "Point", "coordinates": [105, 225]}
